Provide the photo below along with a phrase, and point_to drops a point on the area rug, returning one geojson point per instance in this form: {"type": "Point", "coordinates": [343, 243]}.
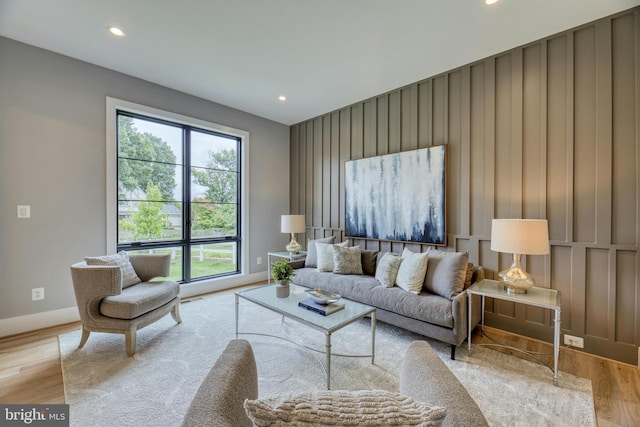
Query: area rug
{"type": "Point", "coordinates": [104, 387]}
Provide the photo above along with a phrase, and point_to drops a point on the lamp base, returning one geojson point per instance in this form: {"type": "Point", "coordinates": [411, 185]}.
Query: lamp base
{"type": "Point", "coordinates": [293, 247]}
{"type": "Point", "coordinates": [514, 279]}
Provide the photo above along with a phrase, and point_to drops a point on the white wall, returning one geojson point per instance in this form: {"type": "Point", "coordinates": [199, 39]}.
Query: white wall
{"type": "Point", "coordinates": [52, 157]}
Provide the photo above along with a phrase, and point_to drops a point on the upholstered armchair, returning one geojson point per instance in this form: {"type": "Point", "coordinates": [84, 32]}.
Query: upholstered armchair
{"type": "Point", "coordinates": [109, 300]}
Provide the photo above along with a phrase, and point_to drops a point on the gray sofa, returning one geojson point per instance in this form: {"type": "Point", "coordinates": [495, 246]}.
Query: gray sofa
{"type": "Point", "coordinates": [423, 377]}
{"type": "Point", "coordinates": [434, 316]}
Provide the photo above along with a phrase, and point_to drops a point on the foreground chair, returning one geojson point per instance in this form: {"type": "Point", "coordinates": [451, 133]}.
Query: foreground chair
{"type": "Point", "coordinates": [106, 306]}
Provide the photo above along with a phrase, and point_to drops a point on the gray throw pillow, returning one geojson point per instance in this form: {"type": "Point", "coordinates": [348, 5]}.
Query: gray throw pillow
{"type": "Point", "coordinates": [121, 259]}
{"type": "Point", "coordinates": [347, 260]}
{"type": "Point", "coordinates": [446, 272]}
{"type": "Point", "coordinates": [312, 255]}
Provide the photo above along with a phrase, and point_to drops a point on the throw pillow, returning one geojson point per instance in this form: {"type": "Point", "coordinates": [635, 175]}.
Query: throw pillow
{"type": "Point", "coordinates": [343, 408]}
{"type": "Point", "coordinates": [324, 253]}
{"type": "Point", "coordinates": [369, 262]}
{"type": "Point", "coordinates": [469, 276]}
{"type": "Point", "coordinates": [121, 259]}
{"type": "Point", "coordinates": [311, 261]}
{"type": "Point", "coordinates": [387, 269]}
{"type": "Point", "coordinates": [412, 271]}
{"type": "Point", "coordinates": [446, 273]}
{"type": "Point", "coordinates": [347, 260]}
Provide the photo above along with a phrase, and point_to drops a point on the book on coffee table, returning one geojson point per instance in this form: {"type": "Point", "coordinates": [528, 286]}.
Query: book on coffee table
{"type": "Point", "coordinates": [324, 309]}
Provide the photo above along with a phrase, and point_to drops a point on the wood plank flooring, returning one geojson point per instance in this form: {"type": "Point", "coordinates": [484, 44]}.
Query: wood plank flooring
{"type": "Point", "coordinates": [30, 372]}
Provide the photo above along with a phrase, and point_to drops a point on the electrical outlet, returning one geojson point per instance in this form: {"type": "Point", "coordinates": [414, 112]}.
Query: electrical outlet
{"type": "Point", "coordinates": [37, 294]}
{"type": "Point", "coordinates": [24, 211]}
{"type": "Point", "coordinates": [259, 260]}
{"type": "Point", "coordinates": [572, 341]}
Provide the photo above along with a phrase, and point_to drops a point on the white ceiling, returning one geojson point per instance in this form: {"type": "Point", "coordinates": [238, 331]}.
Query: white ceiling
{"type": "Point", "coordinates": [321, 54]}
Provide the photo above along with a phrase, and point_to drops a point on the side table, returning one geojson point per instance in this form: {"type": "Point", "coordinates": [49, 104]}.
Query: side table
{"type": "Point", "coordinates": [537, 297]}
{"type": "Point", "coordinates": [286, 255]}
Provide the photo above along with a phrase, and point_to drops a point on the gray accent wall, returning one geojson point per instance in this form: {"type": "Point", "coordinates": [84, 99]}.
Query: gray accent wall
{"type": "Point", "coordinates": [547, 130]}
{"type": "Point", "coordinates": [52, 157]}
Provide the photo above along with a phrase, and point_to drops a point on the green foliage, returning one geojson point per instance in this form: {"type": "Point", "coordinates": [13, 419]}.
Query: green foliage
{"type": "Point", "coordinates": [207, 216]}
{"type": "Point", "coordinates": [282, 270]}
{"type": "Point", "coordinates": [135, 176]}
{"type": "Point", "coordinates": [220, 176]}
{"type": "Point", "coordinates": [149, 221]}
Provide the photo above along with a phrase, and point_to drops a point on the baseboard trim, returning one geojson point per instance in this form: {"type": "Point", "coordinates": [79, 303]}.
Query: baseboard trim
{"type": "Point", "coordinates": [47, 319]}
{"type": "Point", "coordinates": [32, 322]}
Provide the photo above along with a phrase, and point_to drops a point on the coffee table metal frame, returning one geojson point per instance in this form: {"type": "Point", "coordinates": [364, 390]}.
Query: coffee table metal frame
{"type": "Point", "coordinates": [265, 296]}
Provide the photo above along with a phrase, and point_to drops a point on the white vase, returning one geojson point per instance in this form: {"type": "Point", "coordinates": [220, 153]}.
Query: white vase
{"type": "Point", "coordinates": [282, 289]}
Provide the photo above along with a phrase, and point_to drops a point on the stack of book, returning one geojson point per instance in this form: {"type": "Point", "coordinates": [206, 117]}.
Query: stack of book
{"type": "Point", "coordinates": [324, 309]}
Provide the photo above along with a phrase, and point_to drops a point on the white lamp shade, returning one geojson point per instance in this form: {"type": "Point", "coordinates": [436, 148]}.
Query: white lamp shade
{"type": "Point", "coordinates": [292, 224]}
{"type": "Point", "coordinates": [520, 236]}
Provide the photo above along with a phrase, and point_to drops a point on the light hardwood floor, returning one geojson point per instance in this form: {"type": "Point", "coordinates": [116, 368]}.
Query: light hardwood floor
{"type": "Point", "coordinates": [30, 372]}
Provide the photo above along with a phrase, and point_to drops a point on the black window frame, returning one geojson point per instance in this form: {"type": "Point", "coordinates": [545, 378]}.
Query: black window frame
{"type": "Point", "coordinates": [187, 241]}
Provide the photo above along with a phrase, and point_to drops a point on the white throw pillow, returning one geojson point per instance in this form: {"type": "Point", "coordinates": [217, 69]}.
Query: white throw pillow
{"type": "Point", "coordinates": [343, 408]}
{"type": "Point", "coordinates": [412, 271]}
{"type": "Point", "coordinates": [387, 269]}
{"type": "Point", "coordinates": [121, 259]}
{"type": "Point", "coordinates": [324, 255]}
{"type": "Point", "coordinates": [311, 261]}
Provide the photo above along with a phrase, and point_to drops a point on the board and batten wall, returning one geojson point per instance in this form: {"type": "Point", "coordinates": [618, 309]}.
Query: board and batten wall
{"type": "Point", "coordinates": [546, 130]}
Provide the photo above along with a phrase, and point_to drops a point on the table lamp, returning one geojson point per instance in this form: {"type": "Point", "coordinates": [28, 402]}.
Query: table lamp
{"type": "Point", "coordinates": [519, 237]}
{"type": "Point", "coordinates": [293, 224]}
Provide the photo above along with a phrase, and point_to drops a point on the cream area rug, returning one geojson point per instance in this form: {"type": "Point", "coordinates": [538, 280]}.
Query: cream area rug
{"type": "Point", "coordinates": [104, 387]}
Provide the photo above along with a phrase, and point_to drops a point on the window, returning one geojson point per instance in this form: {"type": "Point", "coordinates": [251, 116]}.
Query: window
{"type": "Point", "coordinates": [178, 192]}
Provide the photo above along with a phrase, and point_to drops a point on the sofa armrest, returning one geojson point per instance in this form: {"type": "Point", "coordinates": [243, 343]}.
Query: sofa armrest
{"type": "Point", "coordinates": [424, 377]}
{"type": "Point", "coordinates": [91, 283]}
{"type": "Point", "coordinates": [148, 266]}
{"type": "Point", "coordinates": [219, 401]}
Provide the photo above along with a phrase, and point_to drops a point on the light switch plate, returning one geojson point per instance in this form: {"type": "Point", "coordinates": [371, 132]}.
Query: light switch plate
{"type": "Point", "coordinates": [24, 211]}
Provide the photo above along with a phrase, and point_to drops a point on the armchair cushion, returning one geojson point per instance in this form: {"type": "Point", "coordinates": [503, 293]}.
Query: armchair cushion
{"type": "Point", "coordinates": [121, 259]}
{"type": "Point", "coordinates": [137, 300]}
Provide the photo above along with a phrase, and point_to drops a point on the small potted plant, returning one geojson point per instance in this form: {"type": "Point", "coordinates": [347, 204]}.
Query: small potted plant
{"type": "Point", "coordinates": [282, 273]}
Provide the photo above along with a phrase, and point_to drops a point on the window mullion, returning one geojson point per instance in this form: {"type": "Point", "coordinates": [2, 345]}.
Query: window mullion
{"type": "Point", "coordinates": [186, 137]}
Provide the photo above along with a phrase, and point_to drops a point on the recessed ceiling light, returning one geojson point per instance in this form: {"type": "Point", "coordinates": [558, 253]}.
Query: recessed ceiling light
{"type": "Point", "coordinates": [116, 31]}
{"type": "Point", "coordinates": [490, 1]}
{"type": "Point", "coordinates": [282, 98]}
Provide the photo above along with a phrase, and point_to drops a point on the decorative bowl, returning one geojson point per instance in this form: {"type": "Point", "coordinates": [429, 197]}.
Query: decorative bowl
{"type": "Point", "coordinates": [321, 296]}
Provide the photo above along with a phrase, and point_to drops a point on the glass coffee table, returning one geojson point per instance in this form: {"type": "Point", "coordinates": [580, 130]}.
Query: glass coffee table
{"type": "Point", "coordinates": [265, 296]}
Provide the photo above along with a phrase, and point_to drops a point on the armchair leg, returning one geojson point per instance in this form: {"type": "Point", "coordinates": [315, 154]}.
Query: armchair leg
{"type": "Point", "coordinates": [130, 341]}
{"type": "Point", "coordinates": [175, 313]}
{"type": "Point", "coordinates": [85, 337]}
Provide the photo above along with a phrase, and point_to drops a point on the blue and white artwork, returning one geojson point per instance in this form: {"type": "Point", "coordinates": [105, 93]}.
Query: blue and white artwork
{"type": "Point", "coordinates": [397, 196]}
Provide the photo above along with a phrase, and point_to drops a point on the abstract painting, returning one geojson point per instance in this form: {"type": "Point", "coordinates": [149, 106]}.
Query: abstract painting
{"type": "Point", "coordinates": [397, 196]}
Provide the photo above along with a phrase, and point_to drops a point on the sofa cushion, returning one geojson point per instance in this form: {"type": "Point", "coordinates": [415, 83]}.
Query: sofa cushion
{"type": "Point", "coordinates": [312, 258]}
{"type": "Point", "coordinates": [387, 269]}
{"type": "Point", "coordinates": [137, 300]}
{"type": "Point", "coordinates": [367, 290]}
{"type": "Point", "coordinates": [369, 262]}
{"type": "Point", "coordinates": [344, 408]}
{"type": "Point", "coordinates": [347, 260]}
{"type": "Point", "coordinates": [412, 271]}
{"type": "Point", "coordinates": [446, 272]}
{"type": "Point", "coordinates": [121, 259]}
{"type": "Point", "coordinates": [324, 255]}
